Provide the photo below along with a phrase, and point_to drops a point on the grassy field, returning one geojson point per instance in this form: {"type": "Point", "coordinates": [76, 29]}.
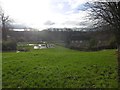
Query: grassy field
{"type": "Point", "coordinates": [59, 68]}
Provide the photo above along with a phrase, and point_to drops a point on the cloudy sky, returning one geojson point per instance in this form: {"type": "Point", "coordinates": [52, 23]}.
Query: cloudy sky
{"type": "Point", "coordinates": [46, 13]}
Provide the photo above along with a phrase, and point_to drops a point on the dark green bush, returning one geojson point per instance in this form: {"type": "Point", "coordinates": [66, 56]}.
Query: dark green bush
{"type": "Point", "coordinates": [9, 46]}
{"type": "Point", "coordinates": [23, 49]}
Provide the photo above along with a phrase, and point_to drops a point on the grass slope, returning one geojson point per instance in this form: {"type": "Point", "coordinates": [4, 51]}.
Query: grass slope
{"type": "Point", "coordinates": [59, 68]}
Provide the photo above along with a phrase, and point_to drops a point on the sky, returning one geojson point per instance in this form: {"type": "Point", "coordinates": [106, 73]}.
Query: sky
{"type": "Point", "coordinates": [43, 14]}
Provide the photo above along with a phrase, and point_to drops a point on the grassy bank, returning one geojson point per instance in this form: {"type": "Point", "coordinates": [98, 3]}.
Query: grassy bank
{"type": "Point", "coordinates": [59, 68]}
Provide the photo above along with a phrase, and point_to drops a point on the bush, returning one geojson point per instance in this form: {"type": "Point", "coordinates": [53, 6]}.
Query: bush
{"type": "Point", "coordinates": [9, 46]}
{"type": "Point", "coordinates": [23, 49]}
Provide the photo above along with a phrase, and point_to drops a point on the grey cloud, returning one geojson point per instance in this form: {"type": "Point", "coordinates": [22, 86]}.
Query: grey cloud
{"type": "Point", "coordinates": [77, 23]}
{"type": "Point", "coordinates": [49, 23]}
{"type": "Point", "coordinates": [18, 26]}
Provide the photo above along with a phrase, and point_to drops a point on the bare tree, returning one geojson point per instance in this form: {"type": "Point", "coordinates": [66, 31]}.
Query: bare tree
{"type": "Point", "coordinates": [4, 24]}
{"type": "Point", "coordinates": [108, 13]}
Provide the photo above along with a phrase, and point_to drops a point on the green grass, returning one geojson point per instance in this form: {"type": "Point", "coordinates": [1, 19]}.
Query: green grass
{"type": "Point", "coordinates": [59, 68]}
{"type": "Point", "coordinates": [0, 70]}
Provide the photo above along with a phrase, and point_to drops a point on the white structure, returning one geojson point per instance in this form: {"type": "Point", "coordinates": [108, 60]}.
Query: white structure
{"type": "Point", "coordinates": [31, 44]}
{"type": "Point", "coordinates": [43, 46]}
{"type": "Point", "coordinates": [17, 51]}
{"type": "Point", "coordinates": [36, 47]}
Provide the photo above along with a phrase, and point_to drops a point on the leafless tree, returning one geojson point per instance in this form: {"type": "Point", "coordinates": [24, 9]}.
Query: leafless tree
{"type": "Point", "coordinates": [4, 20]}
{"type": "Point", "coordinates": [108, 13]}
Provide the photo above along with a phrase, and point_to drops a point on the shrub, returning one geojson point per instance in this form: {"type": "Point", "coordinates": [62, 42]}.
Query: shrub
{"type": "Point", "coordinates": [23, 49]}
{"type": "Point", "coordinates": [9, 45]}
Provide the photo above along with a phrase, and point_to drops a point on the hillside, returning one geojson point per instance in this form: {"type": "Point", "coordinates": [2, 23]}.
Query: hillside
{"type": "Point", "coordinates": [59, 68]}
